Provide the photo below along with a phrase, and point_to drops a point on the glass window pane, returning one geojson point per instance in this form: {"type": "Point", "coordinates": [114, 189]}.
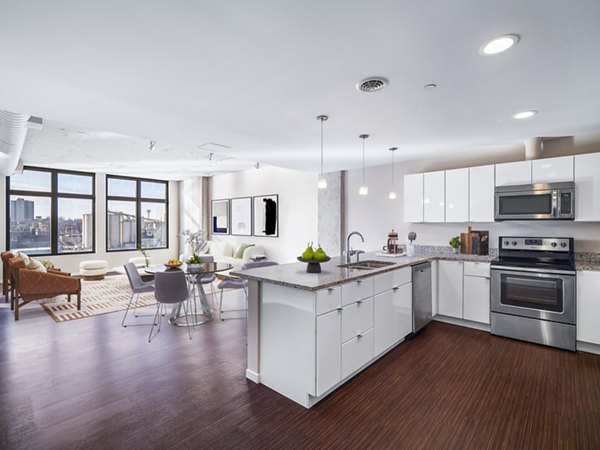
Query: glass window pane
{"type": "Point", "coordinates": [31, 180]}
{"type": "Point", "coordinates": [121, 225]}
{"type": "Point", "coordinates": [29, 224]}
{"type": "Point", "coordinates": [75, 225]}
{"type": "Point", "coordinates": [154, 190]}
{"type": "Point", "coordinates": [121, 188]}
{"type": "Point", "coordinates": [75, 184]}
{"type": "Point", "coordinates": [154, 225]}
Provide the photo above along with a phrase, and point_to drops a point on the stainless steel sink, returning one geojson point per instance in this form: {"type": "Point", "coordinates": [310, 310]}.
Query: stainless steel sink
{"type": "Point", "coordinates": [367, 265]}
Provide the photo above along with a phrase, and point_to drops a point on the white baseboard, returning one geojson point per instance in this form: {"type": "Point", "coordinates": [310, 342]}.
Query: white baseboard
{"type": "Point", "coordinates": [588, 347]}
{"type": "Point", "coordinates": [253, 376]}
{"type": "Point", "coordinates": [463, 323]}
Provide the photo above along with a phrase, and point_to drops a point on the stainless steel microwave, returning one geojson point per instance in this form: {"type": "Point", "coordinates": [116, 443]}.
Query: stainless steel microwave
{"type": "Point", "coordinates": [543, 201]}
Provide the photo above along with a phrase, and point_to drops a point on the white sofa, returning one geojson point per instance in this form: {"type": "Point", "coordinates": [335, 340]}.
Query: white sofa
{"type": "Point", "coordinates": [224, 252]}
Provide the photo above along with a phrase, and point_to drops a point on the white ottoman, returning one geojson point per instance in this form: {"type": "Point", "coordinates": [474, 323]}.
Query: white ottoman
{"type": "Point", "coordinates": [94, 269]}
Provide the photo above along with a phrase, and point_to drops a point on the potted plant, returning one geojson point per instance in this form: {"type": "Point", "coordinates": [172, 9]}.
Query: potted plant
{"type": "Point", "coordinates": [143, 251]}
{"type": "Point", "coordinates": [194, 262]}
{"type": "Point", "coordinates": [455, 243]}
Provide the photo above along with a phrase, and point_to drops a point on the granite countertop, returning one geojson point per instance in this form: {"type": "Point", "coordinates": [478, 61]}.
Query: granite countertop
{"type": "Point", "coordinates": [593, 266]}
{"type": "Point", "coordinates": [295, 275]}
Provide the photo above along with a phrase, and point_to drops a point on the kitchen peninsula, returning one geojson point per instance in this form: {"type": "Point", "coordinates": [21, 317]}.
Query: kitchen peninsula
{"type": "Point", "coordinates": [310, 333]}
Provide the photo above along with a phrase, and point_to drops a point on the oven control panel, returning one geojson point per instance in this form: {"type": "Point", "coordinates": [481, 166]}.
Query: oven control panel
{"type": "Point", "coordinates": [540, 244]}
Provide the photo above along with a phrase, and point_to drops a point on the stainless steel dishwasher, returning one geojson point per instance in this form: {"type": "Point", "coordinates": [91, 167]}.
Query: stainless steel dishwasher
{"type": "Point", "coordinates": [421, 295]}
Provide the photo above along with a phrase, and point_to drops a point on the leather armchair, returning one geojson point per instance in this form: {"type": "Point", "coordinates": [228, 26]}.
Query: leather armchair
{"type": "Point", "coordinates": [33, 285]}
{"type": "Point", "coordinates": [6, 287]}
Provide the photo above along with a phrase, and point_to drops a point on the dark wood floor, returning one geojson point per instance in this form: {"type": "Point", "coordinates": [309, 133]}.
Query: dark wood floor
{"type": "Point", "coordinates": [92, 384]}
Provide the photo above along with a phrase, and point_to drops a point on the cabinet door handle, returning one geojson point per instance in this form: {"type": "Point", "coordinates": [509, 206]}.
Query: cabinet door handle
{"type": "Point", "coordinates": [358, 336]}
{"type": "Point", "coordinates": [395, 288]}
{"type": "Point", "coordinates": [358, 281]}
{"type": "Point", "coordinates": [339, 309]}
{"type": "Point", "coordinates": [359, 302]}
{"type": "Point", "coordinates": [329, 289]}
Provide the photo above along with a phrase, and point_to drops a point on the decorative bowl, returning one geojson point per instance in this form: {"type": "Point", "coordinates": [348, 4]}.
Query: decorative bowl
{"type": "Point", "coordinates": [172, 266]}
{"type": "Point", "coordinates": [196, 267]}
{"type": "Point", "coordinates": [313, 265]}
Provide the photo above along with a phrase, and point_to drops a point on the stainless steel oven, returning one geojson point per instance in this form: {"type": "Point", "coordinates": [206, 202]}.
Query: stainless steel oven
{"type": "Point", "coordinates": [544, 201]}
{"type": "Point", "coordinates": [534, 291]}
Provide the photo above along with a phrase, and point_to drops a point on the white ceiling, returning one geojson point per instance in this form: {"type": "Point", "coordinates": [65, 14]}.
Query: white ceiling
{"type": "Point", "coordinates": [252, 75]}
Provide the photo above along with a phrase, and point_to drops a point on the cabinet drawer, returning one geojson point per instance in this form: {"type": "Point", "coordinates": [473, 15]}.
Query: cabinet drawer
{"type": "Point", "coordinates": [477, 269]}
{"type": "Point", "coordinates": [328, 300]}
{"type": "Point", "coordinates": [357, 290]}
{"type": "Point", "coordinates": [357, 318]}
{"type": "Point", "coordinates": [402, 276]}
{"type": "Point", "coordinates": [383, 282]}
{"type": "Point", "coordinates": [357, 352]}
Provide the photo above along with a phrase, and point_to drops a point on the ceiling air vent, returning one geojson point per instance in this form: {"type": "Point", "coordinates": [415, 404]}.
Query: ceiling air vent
{"type": "Point", "coordinates": [372, 84]}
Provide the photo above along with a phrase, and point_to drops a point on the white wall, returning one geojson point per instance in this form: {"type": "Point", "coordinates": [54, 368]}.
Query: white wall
{"type": "Point", "coordinates": [297, 207]}
{"type": "Point", "coordinates": [375, 215]}
{"type": "Point", "coordinates": [70, 263]}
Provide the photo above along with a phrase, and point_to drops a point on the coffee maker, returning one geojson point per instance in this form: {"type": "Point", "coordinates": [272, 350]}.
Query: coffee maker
{"type": "Point", "coordinates": [392, 243]}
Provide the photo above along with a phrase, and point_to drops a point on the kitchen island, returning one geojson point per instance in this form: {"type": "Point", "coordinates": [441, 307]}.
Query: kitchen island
{"type": "Point", "coordinates": [309, 333]}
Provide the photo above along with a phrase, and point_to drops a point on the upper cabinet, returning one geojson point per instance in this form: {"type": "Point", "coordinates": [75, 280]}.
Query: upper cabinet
{"type": "Point", "coordinates": [413, 197]}
{"type": "Point", "coordinates": [481, 194]}
{"type": "Point", "coordinates": [433, 197]}
{"type": "Point", "coordinates": [510, 174]}
{"type": "Point", "coordinates": [457, 195]}
{"type": "Point", "coordinates": [552, 170]}
{"type": "Point", "coordinates": [587, 187]}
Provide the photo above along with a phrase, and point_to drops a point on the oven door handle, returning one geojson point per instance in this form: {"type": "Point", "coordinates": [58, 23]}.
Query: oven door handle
{"type": "Point", "coordinates": [531, 269]}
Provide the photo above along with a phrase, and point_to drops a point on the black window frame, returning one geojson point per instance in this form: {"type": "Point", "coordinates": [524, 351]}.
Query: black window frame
{"type": "Point", "coordinates": [138, 199]}
{"type": "Point", "coordinates": [54, 196]}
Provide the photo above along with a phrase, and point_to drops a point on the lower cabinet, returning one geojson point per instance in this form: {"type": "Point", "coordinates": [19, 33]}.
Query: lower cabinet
{"type": "Point", "coordinates": [329, 357]}
{"type": "Point", "coordinates": [588, 306]}
{"type": "Point", "coordinates": [450, 288]}
{"type": "Point", "coordinates": [476, 299]}
{"type": "Point", "coordinates": [357, 352]}
{"type": "Point", "coordinates": [392, 316]}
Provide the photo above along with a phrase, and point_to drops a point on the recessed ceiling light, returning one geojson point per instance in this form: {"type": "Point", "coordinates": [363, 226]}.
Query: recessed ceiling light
{"type": "Point", "coordinates": [372, 84]}
{"type": "Point", "coordinates": [430, 86]}
{"type": "Point", "coordinates": [525, 114]}
{"type": "Point", "coordinates": [499, 44]}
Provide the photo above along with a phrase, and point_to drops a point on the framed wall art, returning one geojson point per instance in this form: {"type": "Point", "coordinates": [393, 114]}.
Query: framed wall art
{"type": "Point", "coordinates": [266, 215]}
{"type": "Point", "coordinates": [241, 216]}
{"type": "Point", "coordinates": [220, 216]}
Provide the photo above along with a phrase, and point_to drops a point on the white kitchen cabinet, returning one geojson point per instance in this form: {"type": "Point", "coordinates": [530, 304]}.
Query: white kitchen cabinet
{"type": "Point", "coordinates": [357, 352]}
{"type": "Point", "coordinates": [457, 195]}
{"type": "Point", "coordinates": [587, 187]}
{"type": "Point", "coordinates": [329, 350]}
{"type": "Point", "coordinates": [392, 318]}
{"type": "Point", "coordinates": [476, 306]}
{"type": "Point", "coordinates": [509, 174]}
{"type": "Point", "coordinates": [413, 197]}
{"type": "Point", "coordinates": [588, 307]}
{"type": "Point", "coordinates": [450, 288]}
{"type": "Point", "coordinates": [357, 318]}
{"type": "Point", "coordinates": [481, 194]}
{"type": "Point", "coordinates": [552, 170]}
{"type": "Point", "coordinates": [434, 197]}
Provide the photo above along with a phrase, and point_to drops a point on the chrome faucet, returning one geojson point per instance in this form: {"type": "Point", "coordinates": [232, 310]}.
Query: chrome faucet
{"type": "Point", "coordinates": [349, 252]}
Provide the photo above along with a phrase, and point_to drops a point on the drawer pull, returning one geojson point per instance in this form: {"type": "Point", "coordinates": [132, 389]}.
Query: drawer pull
{"type": "Point", "coordinates": [395, 288]}
{"type": "Point", "coordinates": [358, 336]}
{"type": "Point", "coordinates": [359, 302]}
{"type": "Point", "coordinates": [339, 309]}
{"type": "Point", "coordinates": [329, 289]}
{"type": "Point", "coordinates": [358, 282]}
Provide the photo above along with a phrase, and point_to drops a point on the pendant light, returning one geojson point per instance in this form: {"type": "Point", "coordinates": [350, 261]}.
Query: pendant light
{"type": "Point", "coordinates": [392, 195]}
{"type": "Point", "coordinates": [364, 189]}
{"type": "Point", "coordinates": [322, 183]}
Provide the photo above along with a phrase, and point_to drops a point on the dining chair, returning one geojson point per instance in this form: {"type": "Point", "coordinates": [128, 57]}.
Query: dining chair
{"type": "Point", "coordinates": [238, 283]}
{"type": "Point", "coordinates": [138, 286]}
{"type": "Point", "coordinates": [171, 287]}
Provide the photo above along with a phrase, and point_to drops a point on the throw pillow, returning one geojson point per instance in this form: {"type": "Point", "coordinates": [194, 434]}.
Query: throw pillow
{"type": "Point", "coordinates": [23, 256]}
{"type": "Point", "coordinates": [239, 254]}
{"type": "Point", "coordinates": [34, 264]}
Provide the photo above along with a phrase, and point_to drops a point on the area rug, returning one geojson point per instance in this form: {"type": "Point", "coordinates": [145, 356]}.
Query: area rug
{"type": "Point", "coordinates": [97, 297]}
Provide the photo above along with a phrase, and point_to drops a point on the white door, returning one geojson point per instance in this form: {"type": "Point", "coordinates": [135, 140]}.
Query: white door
{"type": "Point", "coordinates": [587, 187]}
{"type": "Point", "coordinates": [433, 199]}
{"type": "Point", "coordinates": [481, 194]}
{"type": "Point", "coordinates": [552, 170]}
{"type": "Point", "coordinates": [329, 350]}
{"type": "Point", "coordinates": [510, 174]}
{"type": "Point", "coordinates": [588, 307]}
{"type": "Point", "coordinates": [413, 197]}
{"type": "Point", "coordinates": [450, 288]}
{"type": "Point", "coordinates": [476, 297]}
{"type": "Point", "coordinates": [457, 195]}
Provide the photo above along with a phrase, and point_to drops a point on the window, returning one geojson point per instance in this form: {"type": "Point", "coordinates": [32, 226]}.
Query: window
{"type": "Point", "coordinates": [51, 212]}
{"type": "Point", "coordinates": [136, 213]}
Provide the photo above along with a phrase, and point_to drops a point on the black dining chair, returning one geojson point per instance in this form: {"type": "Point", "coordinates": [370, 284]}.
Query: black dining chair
{"type": "Point", "coordinates": [170, 288]}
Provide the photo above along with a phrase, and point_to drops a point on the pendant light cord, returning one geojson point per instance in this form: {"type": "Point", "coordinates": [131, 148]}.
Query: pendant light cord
{"type": "Point", "coordinates": [322, 119]}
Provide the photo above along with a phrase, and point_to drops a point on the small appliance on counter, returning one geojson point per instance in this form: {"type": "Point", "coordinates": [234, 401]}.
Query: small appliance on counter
{"type": "Point", "coordinates": [475, 242]}
{"type": "Point", "coordinates": [534, 291]}
{"type": "Point", "coordinates": [392, 249]}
